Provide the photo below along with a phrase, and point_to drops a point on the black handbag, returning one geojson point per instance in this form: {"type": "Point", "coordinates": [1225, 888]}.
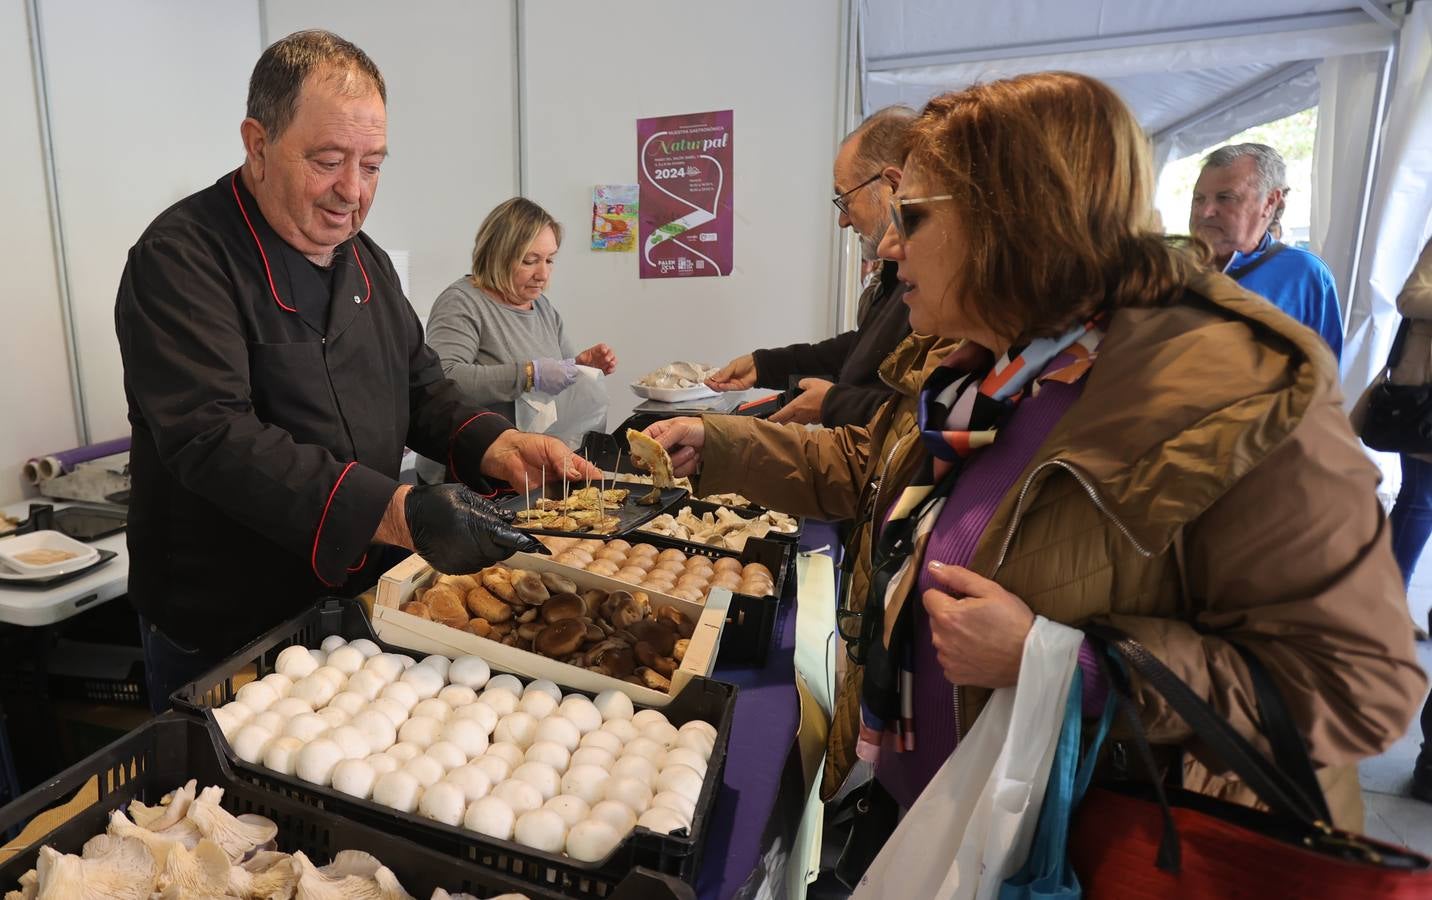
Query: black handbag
{"type": "Point", "coordinates": [1399, 416]}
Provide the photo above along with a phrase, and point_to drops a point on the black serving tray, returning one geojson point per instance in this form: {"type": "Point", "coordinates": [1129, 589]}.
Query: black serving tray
{"type": "Point", "coordinates": [630, 515]}
{"type": "Point", "coordinates": [44, 583]}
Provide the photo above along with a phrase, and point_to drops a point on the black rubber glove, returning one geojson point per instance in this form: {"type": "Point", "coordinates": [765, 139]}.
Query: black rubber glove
{"type": "Point", "coordinates": [458, 532]}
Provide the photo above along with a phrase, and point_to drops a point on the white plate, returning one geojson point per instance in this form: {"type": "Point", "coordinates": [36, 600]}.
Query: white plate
{"type": "Point", "coordinates": [673, 395]}
{"type": "Point", "coordinates": [12, 548]}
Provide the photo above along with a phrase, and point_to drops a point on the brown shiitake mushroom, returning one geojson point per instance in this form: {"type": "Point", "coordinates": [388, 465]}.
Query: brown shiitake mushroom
{"type": "Point", "coordinates": [529, 630]}
{"type": "Point", "coordinates": [530, 589]}
{"type": "Point", "coordinates": [615, 662]}
{"type": "Point", "coordinates": [653, 679]}
{"type": "Point", "coordinates": [594, 631]}
{"type": "Point", "coordinates": [498, 580]}
{"type": "Point", "coordinates": [672, 616]}
{"type": "Point", "coordinates": [484, 604]}
{"type": "Point", "coordinates": [560, 638]}
{"type": "Point", "coordinates": [593, 599]}
{"type": "Point", "coordinates": [646, 655]}
{"type": "Point", "coordinates": [592, 655]}
{"type": "Point", "coordinates": [529, 615]}
{"type": "Point", "coordinates": [563, 606]}
{"type": "Point", "coordinates": [678, 652]}
{"type": "Point", "coordinates": [558, 584]}
{"type": "Point", "coordinates": [622, 609]}
{"type": "Point", "coordinates": [480, 627]}
{"type": "Point", "coordinates": [501, 629]}
{"type": "Point", "coordinates": [416, 608]}
{"type": "Point", "coordinates": [659, 635]}
{"type": "Point", "coordinates": [510, 640]}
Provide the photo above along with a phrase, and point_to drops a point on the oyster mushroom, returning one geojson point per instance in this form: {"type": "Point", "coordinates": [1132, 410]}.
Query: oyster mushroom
{"type": "Point", "coordinates": [480, 627]}
{"type": "Point", "coordinates": [651, 678]}
{"type": "Point", "coordinates": [530, 589]}
{"type": "Point", "coordinates": [558, 584]}
{"type": "Point", "coordinates": [483, 604]}
{"type": "Point", "coordinates": [672, 616]}
{"type": "Point", "coordinates": [563, 606]}
{"type": "Point", "coordinates": [237, 835]}
{"type": "Point", "coordinates": [561, 638]}
{"type": "Point", "coordinates": [416, 608]}
{"type": "Point", "coordinates": [498, 580]}
{"type": "Point", "coordinates": [265, 874]}
{"type": "Point", "coordinates": [351, 876]}
{"type": "Point", "coordinates": [678, 652]}
{"type": "Point", "coordinates": [183, 834]}
{"type": "Point", "coordinates": [202, 872]}
{"type": "Point", "coordinates": [169, 812]}
{"type": "Point", "coordinates": [118, 868]}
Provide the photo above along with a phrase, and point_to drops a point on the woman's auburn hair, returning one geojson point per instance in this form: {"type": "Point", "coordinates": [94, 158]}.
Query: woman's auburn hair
{"type": "Point", "coordinates": [1053, 186]}
{"type": "Point", "coordinates": [503, 239]}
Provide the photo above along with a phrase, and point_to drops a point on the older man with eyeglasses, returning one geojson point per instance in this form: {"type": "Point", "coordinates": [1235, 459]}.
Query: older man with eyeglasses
{"type": "Point", "coordinates": [839, 377]}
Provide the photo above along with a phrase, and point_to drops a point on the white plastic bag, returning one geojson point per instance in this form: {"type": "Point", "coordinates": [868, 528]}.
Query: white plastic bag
{"type": "Point", "coordinates": [972, 826]}
{"type": "Point", "coordinates": [568, 416]}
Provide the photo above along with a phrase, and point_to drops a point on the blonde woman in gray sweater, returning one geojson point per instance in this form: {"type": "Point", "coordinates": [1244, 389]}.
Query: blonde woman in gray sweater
{"type": "Point", "coordinates": [495, 330]}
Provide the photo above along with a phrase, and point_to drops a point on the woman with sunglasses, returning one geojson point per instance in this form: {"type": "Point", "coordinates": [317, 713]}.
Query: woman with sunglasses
{"type": "Point", "coordinates": [1123, 436]}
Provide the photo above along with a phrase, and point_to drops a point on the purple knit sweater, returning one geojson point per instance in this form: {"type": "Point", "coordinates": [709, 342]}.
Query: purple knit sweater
{"type": "Point", "coordinates": [987, 477]}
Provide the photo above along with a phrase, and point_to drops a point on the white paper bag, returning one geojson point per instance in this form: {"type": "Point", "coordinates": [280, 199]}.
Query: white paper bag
{"type": "Point", "coordinates": [972, 826]}
{"type": "Point", "coordinates": [568, 416]}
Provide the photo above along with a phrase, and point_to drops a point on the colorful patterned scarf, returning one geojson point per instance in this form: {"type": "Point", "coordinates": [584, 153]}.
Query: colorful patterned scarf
{"type": "Point", "coordinates": [961, 407]}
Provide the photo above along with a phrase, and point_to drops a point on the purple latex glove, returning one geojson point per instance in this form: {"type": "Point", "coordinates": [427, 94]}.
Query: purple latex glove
{"type": "Point", "coordinates": [553, 376]}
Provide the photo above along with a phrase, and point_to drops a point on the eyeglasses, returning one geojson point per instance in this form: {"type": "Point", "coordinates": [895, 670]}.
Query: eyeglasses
{"type": "Point", "coordinates": [897, 217]}
{"type": "Point", "coordinates": [842, 201]}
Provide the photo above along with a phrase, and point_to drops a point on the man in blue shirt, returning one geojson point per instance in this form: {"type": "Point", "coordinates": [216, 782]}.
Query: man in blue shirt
{"type": "Point", "coordinates": [1236, 200]}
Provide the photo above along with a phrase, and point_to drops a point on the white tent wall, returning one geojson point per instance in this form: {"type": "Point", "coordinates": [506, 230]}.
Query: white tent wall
{"type": "Point", "coordinates": [35, 394]}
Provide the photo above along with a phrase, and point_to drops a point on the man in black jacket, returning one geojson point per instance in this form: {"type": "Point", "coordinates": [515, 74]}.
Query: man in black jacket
{"type": "Point", "coordinates": [840, 381]}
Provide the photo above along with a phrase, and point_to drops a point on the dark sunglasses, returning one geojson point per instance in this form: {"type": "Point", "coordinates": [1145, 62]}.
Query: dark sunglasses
{"type": "Point", "coordinates": [897, 206]}
{"type": "Point", "coordinates": [842, 201]}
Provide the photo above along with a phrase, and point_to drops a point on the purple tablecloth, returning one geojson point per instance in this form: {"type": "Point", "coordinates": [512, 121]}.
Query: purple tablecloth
{"type": "Point", "coordinates": [767, 713]}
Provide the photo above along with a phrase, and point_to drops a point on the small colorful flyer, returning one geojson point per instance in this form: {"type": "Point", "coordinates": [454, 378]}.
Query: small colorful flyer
{"type": "Point", "coordinates": [614, 212]}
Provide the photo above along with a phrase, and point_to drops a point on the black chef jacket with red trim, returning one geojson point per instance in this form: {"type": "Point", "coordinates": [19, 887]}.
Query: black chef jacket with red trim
{"type": "Point", "coordinates": [269, 415]}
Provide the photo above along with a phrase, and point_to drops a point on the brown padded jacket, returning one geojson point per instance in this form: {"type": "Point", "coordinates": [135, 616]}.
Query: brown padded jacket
{"type": "Point", "coordinates": [1205, 488]}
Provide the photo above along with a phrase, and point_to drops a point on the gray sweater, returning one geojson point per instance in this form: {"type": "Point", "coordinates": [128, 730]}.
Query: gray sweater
{"type": "Point", "coordinates": [485, 346]}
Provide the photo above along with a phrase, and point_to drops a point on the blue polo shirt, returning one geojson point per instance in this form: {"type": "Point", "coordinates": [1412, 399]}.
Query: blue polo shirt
{"type": "Point", "coordinates": [1298, 283]}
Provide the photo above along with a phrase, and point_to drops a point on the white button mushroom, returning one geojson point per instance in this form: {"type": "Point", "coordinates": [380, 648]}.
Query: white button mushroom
{"type": "Point", "coordinates": [681, 756]}
{"type": "Point", "coordinates": [229, 724]}
{"type": "Point", "coordinates": [355, 777]}
{"type": "Point", "coordinates": [645, 747]}
{"type": "Point", "coordinates": [306, 727]}
{"type": "Point", "coordinates": [663, 733]}
{"type": "Point", "coordinates": [518, 728]}
{"type": "Point", "coordinates": [420, 730]}
{"type": "Point", "coordinates": [661, 820]}
{"type": "Point", "coordinates": [537, 704]}
{"type": "Point", "coordinates": [403, 752]}
{"type": "Point", "coordinates": [468, 734]}
{"type": "Point", "coordinates": [425, 680]}
{"type": "Point", "coordinates": [603, 740]}
{"type": "Point", "coordinates": [455, 696]}
{"type": "Point", "coordinates": [366, 683]}
{"type": "Point", "coordinates": [541, 776]}
{"type": "Point", "coordinates": [593, 756]}
{"type": "Point", "coordinates": [571, 809]}
{"type": "Point", "coordinates": [426, 770]}
{"type": "Point", "coordinates": [257, 696]}
{"type": "Point", "coordinates": [545, 686]}
{"type": "Point", "coordinates": [519, 795]}
{"type": "Point", "coordinates": [366, 647]}
{"type": "Point", "coordinates": [634, 792]}
{"type": "Point", "coordinates": [622, 728]}
{"type": "Point", "coordinates": [469, 671]}
{"type": "Point", "coordinates": [634, 766]}
{"type": "Point", "coordinates": [449, 754]}
{"type": "Point", "coordinates": [377, 729]}
{"type": "Point", "coordinates": [282, 754]}
{"type": "Point", "coordinates": [494, 767]}
{"type": "Point", "coordinates": [334, 716]}
{"type": "Point", "coordinates": [484, 715]}
{"type": "Point", "coordinates": [319, 657]}
{"type": "Point", "coordinates": [281, 684]}
{"type": "Point", "coordinates": [401, 692]}
{"type": "Point", "coordinates": [698, 741]}
{"type": "Point", "coordinates": [289, 707]}
{"type": "Point", "coordinates": [443, 802]}
{"type": "Point", "coordinates": [505, 682]}
{"type": "Point", "coordinates": [333, 642]}
{"type": "Point", "coordinates": [500, 701]}
{"type": "Point", "coordinates": [315, 690]}
{"type": "Point", "coordinates": [512, 754]}
{"type": "Point", "coordinates": [251, 742]}
{"type": "Point", "coordinates": [613, 705]}
{"type": "Point", "coordinates": [541, 829]}
{"type": "Point", "coordinates": [697, 725]}
{"type": "Point", "coordinates": [433, 708]}
{"type": "Point", "coordinates": [682, 780]}
{"type": "Point", "coordinates": [395, 712]}
{"type": "Point", "coordinates": [354, 742]}
{"type": "Point", "coordinates": [385, 666]}
{"type": "Point", "coordinates": [581, 712]}
{"type": "Point", "coordinates": [337, 677]}
{"type": "Point", "coordinates": [586, 782]}
{"type": "Point", "coordinates": [558, 730]}
{"type": "Point", "coordinates": [346, 660]}
{"type": "Point", "coordinates": [348, 701]}
{"type": "Point", "coordinates": [618, 815]}
{"type": "Point", "coordinates": [295, 662]}
{"type": "Point", "coordinates": [439, 663]}
{"type": "Point", "coordinates": [398, 790]}
{"type": "Point", "coordinates": [548, 753]}
{"type": "Point", "coordinates": [490, 816]}
{"type": "Point", "coordinates": [676, 803]}
{"type": "Point", "coordinates": [645, 718]}
{"type": "Point", "coordinates": [592, 840]}
{"type": "Point", "coordinates": [382, 764]}
{"type": "Point", "coordinates": [317, 760]}
{"type": "Point", "coordinates": [475, 783]}
{"type": "Point", "coordinates": [269, 721]}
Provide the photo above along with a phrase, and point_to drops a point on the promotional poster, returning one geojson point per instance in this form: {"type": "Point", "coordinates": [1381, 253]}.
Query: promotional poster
{"type": "Point", "coordinates": [684, 172]}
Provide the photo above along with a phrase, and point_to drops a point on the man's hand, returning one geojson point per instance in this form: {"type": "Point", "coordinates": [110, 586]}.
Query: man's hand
{"type": "Point", "coordinates": [805, 409]}
{"type": "Point", "coordinates": [599, 356]}
{"type": "Point", "coordinates": [519, 459]}
{"type": "Point", "coordinates": [458, 532]}
{"type": "Point", "coordinates": [683, 439]}
{"type": "Point", "coordinates": [978, 628]}
{"type": "Point", "coordinates": [737, 375]}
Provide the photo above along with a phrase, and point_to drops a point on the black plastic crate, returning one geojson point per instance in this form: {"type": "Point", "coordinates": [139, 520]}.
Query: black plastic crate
{"type": "Point", "coordinates": [711, 701]}
{"type": "Point", "coordinates": [161, 755]}
{"type": "Point", "coordinates": [750, 620]}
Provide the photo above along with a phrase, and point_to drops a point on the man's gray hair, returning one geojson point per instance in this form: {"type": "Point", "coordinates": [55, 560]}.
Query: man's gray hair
{"type": "Point", "coordinates": [280, 72]}
{"type": "Point", "coordinates": [1272, 173]}
{"type": "Point", "coordinates": [881, 138]}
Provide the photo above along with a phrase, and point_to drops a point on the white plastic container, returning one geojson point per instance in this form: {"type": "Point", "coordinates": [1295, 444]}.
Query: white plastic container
{"type": "Point", "coordinates": [25, 553]}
